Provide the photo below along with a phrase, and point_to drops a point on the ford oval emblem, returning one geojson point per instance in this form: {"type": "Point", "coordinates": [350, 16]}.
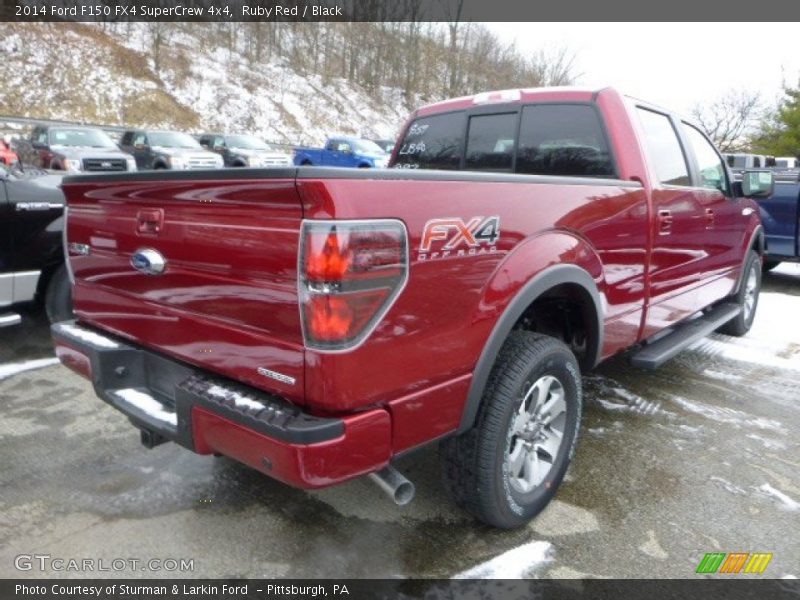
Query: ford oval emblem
{"type": "Point", "coordinates": [149, 261]}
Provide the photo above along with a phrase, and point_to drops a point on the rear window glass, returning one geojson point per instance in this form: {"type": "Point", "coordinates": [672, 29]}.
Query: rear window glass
{"type": "Point", "coordinates": [490, 143]}
{"type": "Point", "coordinates": [433, 142]}
{"type": "Point", "coordinates": [563, 140]}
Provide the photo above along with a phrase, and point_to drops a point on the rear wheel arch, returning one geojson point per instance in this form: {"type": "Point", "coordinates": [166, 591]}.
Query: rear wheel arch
{"type": "Point", "coordinates": [557, 279]}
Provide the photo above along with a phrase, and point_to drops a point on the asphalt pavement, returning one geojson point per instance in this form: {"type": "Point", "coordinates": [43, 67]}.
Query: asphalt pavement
{"type": "Point", "coordinates": [700, 456]}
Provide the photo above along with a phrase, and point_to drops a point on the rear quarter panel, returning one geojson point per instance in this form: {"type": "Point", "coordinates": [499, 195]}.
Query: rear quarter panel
{"type": "Point", "coordinates": [420, 358]}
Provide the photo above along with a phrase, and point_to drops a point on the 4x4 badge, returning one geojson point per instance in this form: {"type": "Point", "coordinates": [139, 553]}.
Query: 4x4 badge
{"type": "Point", "coordinates": [454, 237]}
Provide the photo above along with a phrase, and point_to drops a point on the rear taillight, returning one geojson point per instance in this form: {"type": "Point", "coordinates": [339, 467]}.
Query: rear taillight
{"type": "Point", "coordinates": [350, 274]}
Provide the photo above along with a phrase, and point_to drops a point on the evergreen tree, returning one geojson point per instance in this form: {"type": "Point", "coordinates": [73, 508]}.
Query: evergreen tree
{"type": "Point", "coordinates": [780, 134]}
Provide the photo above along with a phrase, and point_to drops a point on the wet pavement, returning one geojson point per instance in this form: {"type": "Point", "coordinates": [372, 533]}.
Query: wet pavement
{"type": "Point", "coordinates": [700, 456]}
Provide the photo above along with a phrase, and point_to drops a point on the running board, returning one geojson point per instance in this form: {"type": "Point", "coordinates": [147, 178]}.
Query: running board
{"type": "Point", "coordinates": [10, 319]}
{"type": "Point", "coordinates": [652, 356]}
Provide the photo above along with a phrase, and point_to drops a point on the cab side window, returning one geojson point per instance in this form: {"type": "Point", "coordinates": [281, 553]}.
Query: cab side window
{"type": "Point", "coordinates": [713, 174]}
{"type": "Point", "coordinates": [563, 139]}
{"type": "Point", "coordinates": [664, 149]}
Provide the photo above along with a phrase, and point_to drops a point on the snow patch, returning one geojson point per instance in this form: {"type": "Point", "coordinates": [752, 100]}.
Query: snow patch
{"type": "Point", "coordinates": [652, 548]}
{"type": "Point", "coordinates": [514, 564]}
{"type": "Point", "coordinates": [768, 444]}
{"type": "Point", "coordinates": [87, 336]}
{"type": "Point", "coordinates": [771, 342]}
{"type": "Point", "coordinates": [238, 399]}
{"type": "Point", "coordinates": [147, 404]}
{"type": "Point", "coordinates": [721, 376]}
{"type": "Point", "coordinates": [728, 486]}
{"type": "Point", "coordinates": [742, 351]}
{"type": "Point", "coordinates": [785, 500]}
{"type": "Point", "coordinates": [612, 396]}
{"type": "Point", "coordinates": [728, 415]}
{"type": "Point", "coordinates": [10, 369]}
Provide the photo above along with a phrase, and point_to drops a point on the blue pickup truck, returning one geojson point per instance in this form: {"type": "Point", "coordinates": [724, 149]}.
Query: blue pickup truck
{"type": "Point", "coordinates": [343, 152]}
{"type": "Point", "coordinates": [781, 217]}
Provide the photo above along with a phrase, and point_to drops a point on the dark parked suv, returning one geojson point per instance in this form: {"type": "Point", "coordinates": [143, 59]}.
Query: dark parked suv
{"type": "Point", "coordinates": [168, 150]}
{"type": "Point", "coordinates": [73, 148]}
{"type": "Point", "coordinates": [245, 151]}
{"type": "Point", "coordinates": [31, 250]}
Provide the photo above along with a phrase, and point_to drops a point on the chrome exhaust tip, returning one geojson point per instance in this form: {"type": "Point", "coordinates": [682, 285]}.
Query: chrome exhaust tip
{"type": "Point", "coordinates": [394, 484]}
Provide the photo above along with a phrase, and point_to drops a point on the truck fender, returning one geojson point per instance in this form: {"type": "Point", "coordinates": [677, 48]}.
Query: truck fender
{"type": "Point", "coordinates": [545, 280]}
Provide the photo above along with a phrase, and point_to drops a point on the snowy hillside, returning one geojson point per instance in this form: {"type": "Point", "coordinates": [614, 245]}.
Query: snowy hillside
{"type": "Point", "coordinates": [80, 72]}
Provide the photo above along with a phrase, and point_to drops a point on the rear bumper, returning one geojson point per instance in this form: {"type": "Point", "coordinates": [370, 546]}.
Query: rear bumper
{"type": "Point", "coordinates": [174, 401]}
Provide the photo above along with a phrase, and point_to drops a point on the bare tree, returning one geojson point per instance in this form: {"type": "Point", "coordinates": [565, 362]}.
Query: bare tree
{"type": "Point", "coordinates": [454, 26]}
{"type": "Point", "coordinates": [555, 66]}
{"type": "Point", "coordinates": [730, 118]}
{"type": "Point", "coordinates": [159, 34]}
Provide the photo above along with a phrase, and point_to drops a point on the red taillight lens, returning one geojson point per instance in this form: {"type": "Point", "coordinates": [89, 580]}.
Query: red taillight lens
{"type": "Point", "coordinates": [325, 260]}
{"type": "Point", "coordinates": [351, 273]}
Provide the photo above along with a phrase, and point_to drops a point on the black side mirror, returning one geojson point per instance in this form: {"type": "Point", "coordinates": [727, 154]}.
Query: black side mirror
{"type": "Point", "coordinates": [757, 184]}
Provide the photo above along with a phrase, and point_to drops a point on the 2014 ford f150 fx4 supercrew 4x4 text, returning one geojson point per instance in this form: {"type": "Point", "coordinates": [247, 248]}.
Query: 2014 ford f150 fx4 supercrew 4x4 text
{"type": "Point", "coordinates": [316, 323]}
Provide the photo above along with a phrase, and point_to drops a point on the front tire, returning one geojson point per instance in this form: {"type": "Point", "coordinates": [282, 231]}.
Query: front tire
{"type": "Point", "coordinates": [58, 297]}
{"type": "Point", "coordinates": [507, 468]}
{"type": "Point", "coordinates": [746, 297]}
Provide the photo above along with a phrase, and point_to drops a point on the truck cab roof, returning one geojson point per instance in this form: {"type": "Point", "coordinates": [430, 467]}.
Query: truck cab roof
{"type": "Point", "coordinates": [512, 96]}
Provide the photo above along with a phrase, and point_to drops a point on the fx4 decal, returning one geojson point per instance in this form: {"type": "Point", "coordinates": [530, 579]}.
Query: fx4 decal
{"type": "Point", "coordinates": [453, 237]}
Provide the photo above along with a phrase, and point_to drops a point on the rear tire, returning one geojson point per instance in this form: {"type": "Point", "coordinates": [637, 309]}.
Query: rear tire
{"type": "Point", "coordinates": [508, 467]}
{"type": "Point", "coordinates": [58, 297]}
{"type": "Point", "coordinates": [770, 264]}
{"type": "Point", "coordinates": [746, 297]}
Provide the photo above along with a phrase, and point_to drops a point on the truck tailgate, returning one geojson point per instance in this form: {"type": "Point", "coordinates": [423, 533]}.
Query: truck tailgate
{"type": "Point", "coordinates": [226, 298]}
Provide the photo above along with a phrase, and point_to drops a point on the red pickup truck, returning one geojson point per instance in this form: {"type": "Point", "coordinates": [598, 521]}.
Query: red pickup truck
{"type": "Point", "coordinates": [317, 323]}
